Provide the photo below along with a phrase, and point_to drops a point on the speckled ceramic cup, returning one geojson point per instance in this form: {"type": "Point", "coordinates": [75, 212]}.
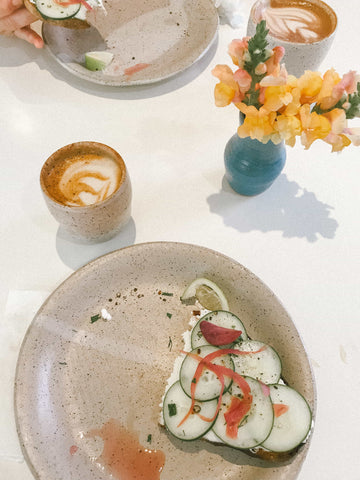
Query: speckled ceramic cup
{"type": "Point", "coordinates": [88, 222]}
{"type": "Point", "coordinates": [299, 56]}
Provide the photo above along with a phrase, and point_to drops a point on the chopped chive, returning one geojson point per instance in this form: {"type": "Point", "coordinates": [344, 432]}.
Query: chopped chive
{"type": "Point", "coordinates": [169, 315]}
{"type": "Point", "coordinates": [95, 318]}
{"type": "Point", "coordinates": [170, 344]}
{"type": "Point", "coordinates": [149, 438]}
{"type": "Point", "coordinates": [172, 409]}
{"type": "Point", "coordinates": [167, 294]}
{"type": "Point", "coordinates": [62, 363]}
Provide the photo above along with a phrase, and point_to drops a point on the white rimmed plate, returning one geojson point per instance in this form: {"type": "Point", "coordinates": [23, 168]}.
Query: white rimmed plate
{"type": "Point", "coordinates": [74, 376]}
{"type": "Point", "coordinates": [167, 36]}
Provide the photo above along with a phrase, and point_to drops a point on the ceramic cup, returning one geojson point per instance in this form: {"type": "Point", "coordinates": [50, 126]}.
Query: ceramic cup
{"type": "Point", "coordinates": [87, 189]}
{"type": "Point", "coordinates": [299, 55]}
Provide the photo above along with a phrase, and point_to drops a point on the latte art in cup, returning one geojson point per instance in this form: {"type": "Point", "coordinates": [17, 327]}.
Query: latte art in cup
{"type": "Point", "coordinates": [297, 21]}
{"type": "Point", "coordinates": [84, 179]}
{"type": "Point", "coordinates": [87, 189]}
{"type": "Point", "coordinates": [304, 28]}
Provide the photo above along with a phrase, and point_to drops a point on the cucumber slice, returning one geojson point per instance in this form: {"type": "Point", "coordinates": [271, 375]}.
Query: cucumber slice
{"type": "Point", "coordinates": [256, 426]}
{"type": "Point", "coordinates": [95, 61]}
{"type": "Point", "coordinates": [208, 386]}
{"type": "Point", "coordinates": [176, 406]}
{"type": "Point", "coordinates": [222, 318]}
{"type": "Point", "coordinates": [292, 427]}
{"type": "Point", "coordinates": [265, 366]}
{"type": "Point", "coordinates": [52, 10]}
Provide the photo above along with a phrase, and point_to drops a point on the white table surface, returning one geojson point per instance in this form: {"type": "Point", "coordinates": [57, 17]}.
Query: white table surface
{"type": "Point", "coordinates": [301, 237]}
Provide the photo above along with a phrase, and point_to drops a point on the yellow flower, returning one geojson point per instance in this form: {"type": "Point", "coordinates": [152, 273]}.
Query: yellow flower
{"type": "Point", "coordinates": [293, 107]}
{"type": "Point", "coordinates": [258, 124]}
{"type": "Point", "coordinates": [276, 97]}
{"type": "Point", "coordinates": [314, 126]}
{"type": "Point", "coordinates": [288, 127]}
{"type": "Point", "coordinates": [310, 84]}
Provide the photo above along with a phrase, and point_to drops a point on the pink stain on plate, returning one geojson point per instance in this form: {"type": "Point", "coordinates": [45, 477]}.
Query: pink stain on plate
{"type": "Point", "coordinates": [73, 449]}
{"type": "Point", "coordinates": [136, 68]}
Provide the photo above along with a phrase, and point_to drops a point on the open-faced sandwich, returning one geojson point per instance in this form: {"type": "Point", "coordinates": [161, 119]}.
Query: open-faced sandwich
{"type": "Point", "coordinates": [227, 388]}
{"type": "Point", "coordinates": [65, 13]}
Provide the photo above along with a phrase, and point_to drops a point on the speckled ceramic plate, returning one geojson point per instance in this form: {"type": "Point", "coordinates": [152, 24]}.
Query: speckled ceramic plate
{"type": "Point", "coordinates": [77, 379]}
{"type": "Point", "coordinates": [167, 36]}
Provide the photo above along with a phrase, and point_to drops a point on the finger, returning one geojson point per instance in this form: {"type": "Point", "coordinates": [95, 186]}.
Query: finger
{"type": "Point", "coordinates": [27, 34]}
{"type": "Point", "coordinates": [19, 19]}
{"type": "Point", "coordinates": [9, 6]}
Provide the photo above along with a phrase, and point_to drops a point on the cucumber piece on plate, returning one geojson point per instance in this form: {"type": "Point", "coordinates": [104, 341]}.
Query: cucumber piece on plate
{"type": "Point", "coordinates": [208, 385]}
{"type": "Point", "coordinates": [95, 61]}
{"type": "Point", "coordinates": [265, 366]}
{"type": "Point", "coordinates": [221, 318]}
{"type": "Point", "coordinates": [175, 407]}
{"type": "Point", "coordinates": [257, 423]}
{"type": "Point", "coordinates": [52, 10]}
{"type": "Point", "coordinates": [292, 421]}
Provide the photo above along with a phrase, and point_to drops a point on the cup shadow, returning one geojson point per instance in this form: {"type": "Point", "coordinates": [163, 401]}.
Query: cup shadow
{"type": "Point", "coordinates": [285, 207]}
{"type": "Point", "coordinates": [76, 254]}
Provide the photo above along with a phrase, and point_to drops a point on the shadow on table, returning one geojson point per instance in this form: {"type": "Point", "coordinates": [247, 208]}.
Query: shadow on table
{"type": "Point", "coordinates": [76, 254]}
{"type": "Point", "coordinates": [20, 53]}
{"type": "Point", "coordinates": [285, 207]}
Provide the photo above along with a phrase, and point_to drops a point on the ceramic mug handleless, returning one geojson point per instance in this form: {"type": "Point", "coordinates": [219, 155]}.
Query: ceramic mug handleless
{"type": "Point", "coordinates": [87, 189]}
{"type": "Point", "coordinates": [305, 29]}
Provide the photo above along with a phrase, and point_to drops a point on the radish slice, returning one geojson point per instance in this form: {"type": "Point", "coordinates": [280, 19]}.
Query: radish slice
{"type": "Point", "coordinates": [217, 335]}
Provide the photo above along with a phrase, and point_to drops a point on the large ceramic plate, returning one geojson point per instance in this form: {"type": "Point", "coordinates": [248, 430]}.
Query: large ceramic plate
{"type": "Point", "coordinates": [167, 35]}
{"type": "Point", "coordinates": [75, 377]}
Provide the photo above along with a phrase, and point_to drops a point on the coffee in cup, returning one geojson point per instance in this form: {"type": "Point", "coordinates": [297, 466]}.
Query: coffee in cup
{"type": "Point", "coordinates": [304, 28]}
{"type": "Point", "coordinates": [87, 189]}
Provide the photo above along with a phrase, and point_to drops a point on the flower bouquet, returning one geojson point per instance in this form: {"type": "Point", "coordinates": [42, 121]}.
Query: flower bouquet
{"type": "Point", "coordinates": [280, 107]}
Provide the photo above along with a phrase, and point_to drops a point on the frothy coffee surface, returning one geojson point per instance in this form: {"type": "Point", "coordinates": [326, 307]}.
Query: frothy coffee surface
{"type": "Point", "coordinates": [83, 179]}
{"type": "Point", "coordinates": [297, 21]}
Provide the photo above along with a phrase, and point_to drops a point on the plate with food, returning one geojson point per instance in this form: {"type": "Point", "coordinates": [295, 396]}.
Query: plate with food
{"type": "Point", "coordinates": [126, 42]}
{"type": "Point", "coordinates": [159, 361]}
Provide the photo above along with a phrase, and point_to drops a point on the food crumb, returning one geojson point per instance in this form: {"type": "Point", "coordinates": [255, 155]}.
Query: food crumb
{"type": "Point", "coordinates": [105, 315]}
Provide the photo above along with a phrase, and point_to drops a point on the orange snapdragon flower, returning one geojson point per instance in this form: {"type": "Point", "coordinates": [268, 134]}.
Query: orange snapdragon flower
{"type": "Point", "coordinates": [273, 63]}
{"type": "Point", "coordinates": [232, 86]}
{"type": "Point", "coordinates": [238, 50]}
{"type": "Point", "coordinates": [288, 128]}
{"type": "Point", "coordinates": [276, 97]}
{"type": "Point", "coordinates": [314, 126]}
{"type": "Point", "coordinates": [310, 84]}
{"type": "Point", "coordinates": [258, 124]}
{"type": "Point", "coordinates": [334, 88]}
{"type": "Point", "coordinates": [336, 137]}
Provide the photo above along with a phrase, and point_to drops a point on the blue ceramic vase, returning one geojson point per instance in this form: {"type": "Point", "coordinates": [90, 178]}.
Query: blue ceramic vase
{"type": "Point", "coordinates": [251, 167]}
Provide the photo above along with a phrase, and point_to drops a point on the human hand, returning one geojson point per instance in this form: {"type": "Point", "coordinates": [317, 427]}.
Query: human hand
{"type": "Point", "coordinates": [15, 19]}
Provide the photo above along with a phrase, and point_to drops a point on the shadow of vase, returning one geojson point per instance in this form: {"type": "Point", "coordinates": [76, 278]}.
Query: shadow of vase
{"type": "Point", "coordinates": [285, 207]}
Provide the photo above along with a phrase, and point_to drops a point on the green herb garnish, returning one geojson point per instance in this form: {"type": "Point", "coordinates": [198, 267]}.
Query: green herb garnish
{"type": "Point", "coordinates": [169, 315]}
{"type": "Point", "coordinates": [95, 318]}
{"type": "Point", "coordinates": [172, 409]}
{"type": "Point", "coordinates": [149, 438]}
